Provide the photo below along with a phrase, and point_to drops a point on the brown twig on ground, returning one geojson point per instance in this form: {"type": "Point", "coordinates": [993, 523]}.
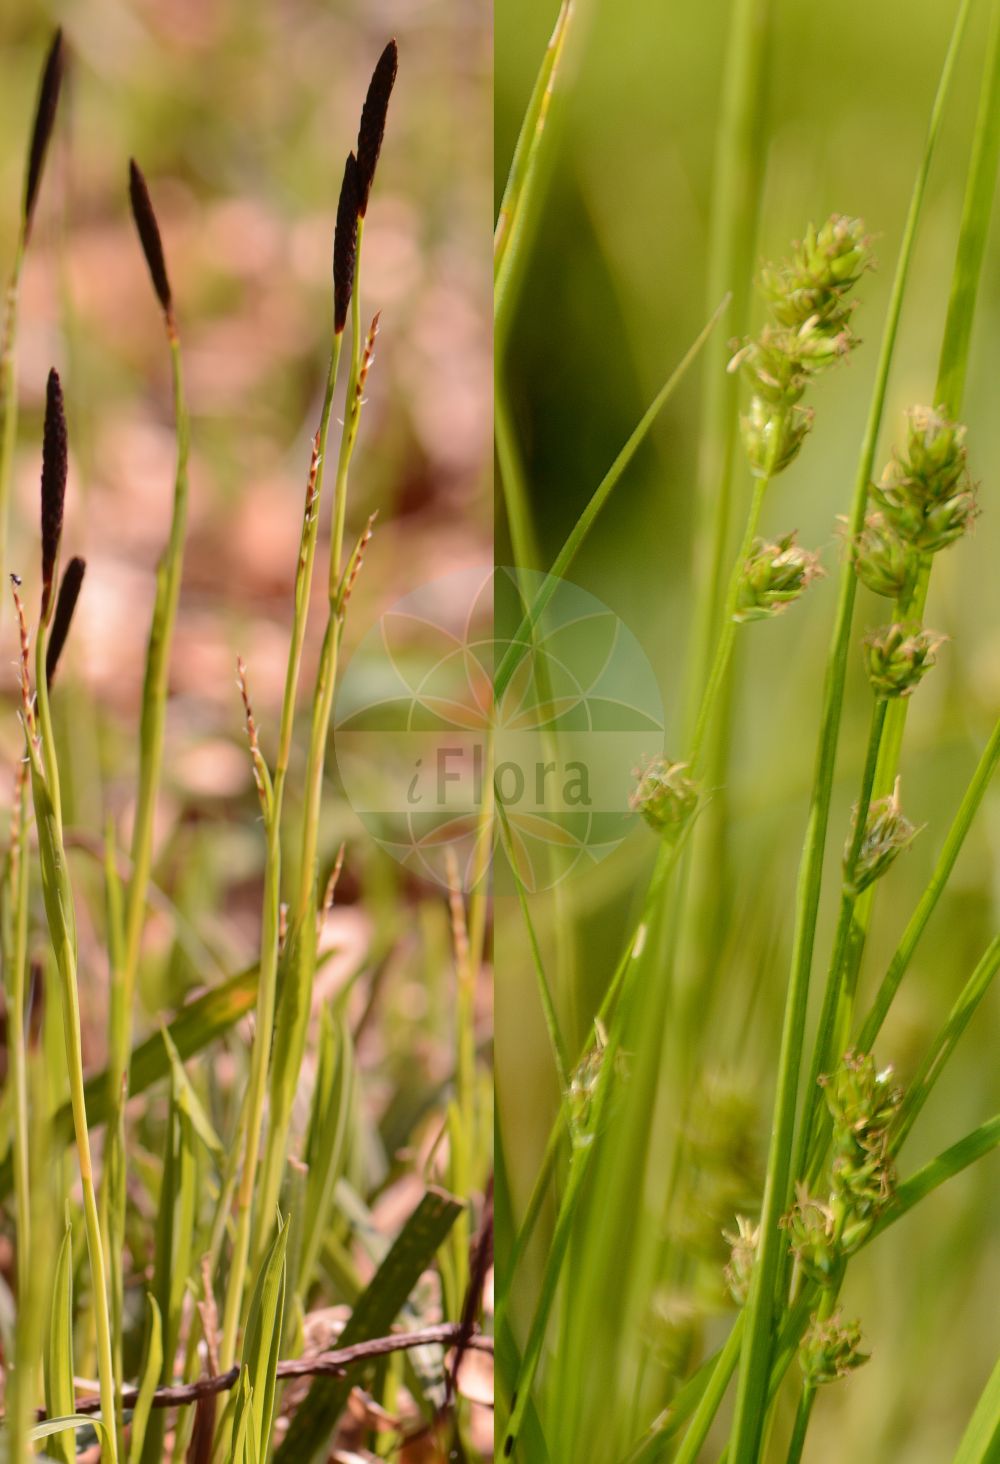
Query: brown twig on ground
{"type": "Point", "coordinates": [334, 1362]}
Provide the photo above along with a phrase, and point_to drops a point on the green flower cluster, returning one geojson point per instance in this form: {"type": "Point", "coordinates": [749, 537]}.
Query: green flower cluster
{"type": "Point", "coordinates": [666, 797]}
{"type": "Point", "coordinates": [773, 576]}
{"type": "Point", "coordinates": [886, 834]}
{"type": "Point", "coordinates": [863, 1103]}
{"type": "Point", "coordinates": [830, 1349]}
{"type": "Point", "coordinates": [924, 502]}
{"type": "Point", "coordinates": [897, 657]}
{"type": "Point", "coordinates": [809, 330]}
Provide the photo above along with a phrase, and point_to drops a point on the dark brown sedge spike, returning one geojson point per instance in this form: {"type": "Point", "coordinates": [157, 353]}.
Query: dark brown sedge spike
{"type": "Point", "coordinates": [69, 593]}
{"type": "Point", "coordinates": [373, 115]}
{"type": "Point", "coordinates": [149, 235]}
{"type": "Point", "coordinates": [55, 461]}
{"type": "Point", "coordinates": [45, 118]}
{"type": "Point", "coordinates": [345, 243]}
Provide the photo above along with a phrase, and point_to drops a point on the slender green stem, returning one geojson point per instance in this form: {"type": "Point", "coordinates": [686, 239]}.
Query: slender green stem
{"type": "Point", "coordinates": [950, 850]}
{"type": "Point", "coordinates": [803, 1413]}
{"type": "Point", "coordinates": [524, 545]}
{"type": "Point", "coordinates": [582, 1158]}
{"type": "Point", "coordinates": [15, 970]}
{"type": "Point", "coordinates": [923, 1182]}
{"type": "Point", "coordinates": [824, 1046]}
{"type": "Point", "coordinates": [712, 1397]}
{"type": "Point", "coordinates": [952, 363]}
{"type": "Point", "coordinates": [526, 170]}
{"type": "Point", "coordinates": [304, 578]}
{"type": "Point", "coordinates": [154, 710]}
{"type": "Point", "coordinates": [732, 231]}
{"type": "Point", "coordinates": [728, 627]}
{"type": "Point", "coordinates": [273, 1162]}
{"type": "Point", "coordinates": [257, 1088]}
{"type": "Point", "coordinates": [298, 973]}
{"type": "Point", "coordinates": [62, 931]}
{"type": "Point", "coordinates": [755, 1360]}
{"type": "Point", "coordinates": [945, 1042]}
{"type": "Point", "coordinates": [522, 639]}
{"type": "Point", "coordinates": [556, 1041]}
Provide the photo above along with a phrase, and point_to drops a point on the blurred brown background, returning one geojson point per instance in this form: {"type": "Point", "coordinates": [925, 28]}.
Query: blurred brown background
{"type": "Point", "coordinates": [241, 115]}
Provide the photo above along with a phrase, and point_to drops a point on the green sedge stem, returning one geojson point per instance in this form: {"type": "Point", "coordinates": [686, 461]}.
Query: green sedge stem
{"type": "Point", "coordinates": [729, 626]}
{"type": "Point", "coordinates": [270, 933]}
{"type": "Point", "coordinates": [274, 1150]}
{"type": "Point", "coordinates": [945, 1042]}
{"type": "Point", "coordinates": [733, 229]}
{"type": "Point", "coordinates": [61, 920]}
{"type": "Point", "coordinates": [556, 1041]}
{"type": "Point", "coordinates": [298, 980]}
{"type": "Point", "coordinates": [154, 710]}
{"type": "Point", "coordinates": [522, 639]}
{"type": "Point", "coordinates": [953, 360]}
{"type": "Point", "coordinates": [579, 1168]}
{"type": "Point", "coordinates": [823, 1048]}
{"type": "Point", "coordinates": [303, 580]}
{"type": "Point", "coordinates": [755, 1359]}
{"type": "Point", "coordinates": [522, 188]}
{"type": "Point", "coordinates": [968, 808]}
{"type": "Point", "coordinates": [16, 961]}
{"type": "Point", "coordinates": [266, 996]}
{"type": "Point", "coordinates": [712, 1397]}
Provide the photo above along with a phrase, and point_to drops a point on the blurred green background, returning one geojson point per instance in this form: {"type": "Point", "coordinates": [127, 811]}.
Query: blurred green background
{"type": "Point", "coordinates": [613, 292]}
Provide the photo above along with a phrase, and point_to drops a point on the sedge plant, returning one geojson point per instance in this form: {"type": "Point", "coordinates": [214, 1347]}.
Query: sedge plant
{"type": "Point", "coordinates": [831, 1181]}
{"type": "Point", "coordinates": [195, 1308]}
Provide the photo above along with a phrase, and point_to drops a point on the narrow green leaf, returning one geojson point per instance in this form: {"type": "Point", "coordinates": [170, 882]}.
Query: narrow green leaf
{"type": "Point", "coordinates": [326, 1138]}
{"type": "Point", "coordinates": [52, 1426]}
{"type": "Point", "coordinates": [174, 1247]}
{"type": "Point", "coordinates": [60, 1398]}
{"type": "Point", "coordinates": [968, 1149]}
{"type": "Point", "coordinates": [409, 1256]}
{"type": "Point", "coordinates": [194, 1028]}
{"type": "Point", "coordinates": [242, 1420]}
{"type": "Point", "coordinates": [262, 1343]}
{"type": "Point", "coordinates": [200, 1120]}
{"type": "Point", "coordinates": [946, 1040]}
{"type": "Point", "coordinates": [981, 1440]}
{"type": "Point", "coordinates": [151, 1372]}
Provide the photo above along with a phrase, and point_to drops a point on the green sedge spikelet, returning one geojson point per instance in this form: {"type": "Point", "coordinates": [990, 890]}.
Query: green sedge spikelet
{"type": "Point", "coordinates": [830, 1349]}
{"type": "Point", "coordinates": [666, 797]}
{"type": "Point", "coordinates": [887, 833]}
{"type": "Point", "coordinates": [373, 115]}
{"type": "Point", "coordinates": [45, 118]}
{"type": "Point", "coordinates": [898, 657]}
{"type": "Point", "coordinates": [773, 576]}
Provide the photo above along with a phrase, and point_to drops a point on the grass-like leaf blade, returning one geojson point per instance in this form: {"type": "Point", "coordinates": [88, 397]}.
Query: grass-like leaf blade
{"type": "Point", "coordinates": [376, 1310]}
{"type": "Point", "coordinates": [60, 1398]}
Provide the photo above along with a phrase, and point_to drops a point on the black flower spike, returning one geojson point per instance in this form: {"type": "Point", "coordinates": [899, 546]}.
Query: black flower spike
{"type": "Point", "coordinates": [55, 458]}
{"type": "Point", "coordinates": [345, 243]}
{"type": "Point", "coordinates": [45, 117]}
{"type": "Point", "coordinates": [149, 234]}
{"type": "Point", "coordinates": [69, 593]}
{"type": "Point", "coordinates": [373, 116]}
